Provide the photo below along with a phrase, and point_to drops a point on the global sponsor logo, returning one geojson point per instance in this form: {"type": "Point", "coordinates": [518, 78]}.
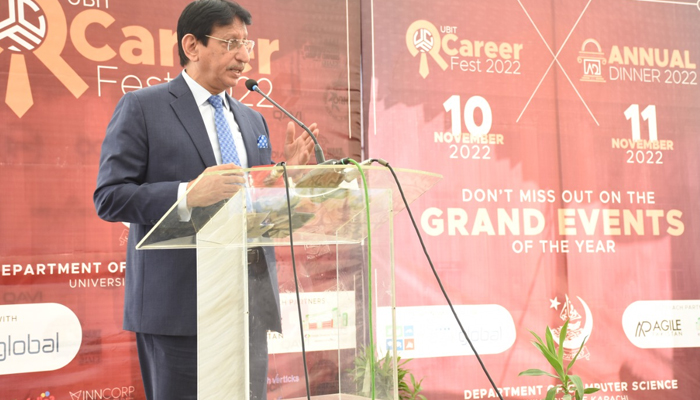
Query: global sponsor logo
{"type": "Point", "coordinates": [424, 39]}
{"type": "Point", "coordinates": [662, 324]}
{"type": "Point", "coordinates": [14, 346]}
{"type": "Point", "coordinates": [108, 393]}
{"type": "Point", "coordinates": [37, 337]}
{"type": "Point", "coordinates": [430, 331]}
{"type": "Point", "coordinates": [636, 64]}
{"type": "Point", "coordinates": [579, 329]}
{"type": "Point", "coordinates": [481, 334]}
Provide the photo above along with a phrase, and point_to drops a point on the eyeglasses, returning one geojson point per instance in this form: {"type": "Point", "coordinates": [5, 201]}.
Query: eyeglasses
{"type": "Point", "coordinates": [235, 44]}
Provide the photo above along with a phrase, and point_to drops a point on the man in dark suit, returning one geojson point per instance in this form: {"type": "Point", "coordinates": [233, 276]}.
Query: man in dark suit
{"type": "Point", "coordinates": [160, 139]}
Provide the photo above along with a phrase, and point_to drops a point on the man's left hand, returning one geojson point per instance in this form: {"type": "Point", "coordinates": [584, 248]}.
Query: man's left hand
{"type": "Point", "coordinates": [298, 149]}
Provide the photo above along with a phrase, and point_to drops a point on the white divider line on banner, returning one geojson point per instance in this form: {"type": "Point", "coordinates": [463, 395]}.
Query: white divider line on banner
{"type": "Point", "coordinates": [347, 58]}
{"type": "Point", "coordinates": [685, 3]}
{"type": "Point", "coordinates": [555, 59]}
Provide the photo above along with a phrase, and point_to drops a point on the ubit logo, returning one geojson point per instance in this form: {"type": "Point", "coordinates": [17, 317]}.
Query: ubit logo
{"type": "Point", "coordinates": [423, 38]}
{"type": "Point", "coordinates": [35, 29]}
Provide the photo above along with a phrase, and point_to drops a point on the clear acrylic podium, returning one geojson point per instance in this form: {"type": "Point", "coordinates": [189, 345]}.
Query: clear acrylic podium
{"type": "Point", "coordinates": [345, 271]}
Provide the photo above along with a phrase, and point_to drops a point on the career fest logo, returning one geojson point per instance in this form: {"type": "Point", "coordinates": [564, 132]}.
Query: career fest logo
{"type": "Point", "coordinates": [423, 38]}
{"type": "Point", "coordinates": [35, 28]}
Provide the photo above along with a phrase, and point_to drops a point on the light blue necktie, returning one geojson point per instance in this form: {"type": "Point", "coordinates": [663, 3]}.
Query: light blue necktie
{"type": "Point", "coordinates": [226, 143]}
{"type": "Point", "coordinates": [223, 132]}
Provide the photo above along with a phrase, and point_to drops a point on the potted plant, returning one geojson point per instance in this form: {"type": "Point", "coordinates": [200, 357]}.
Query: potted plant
{"type": "Point", "coordinates": [384, 382]}
{"type": "Point", "coordinates": [570, 385]}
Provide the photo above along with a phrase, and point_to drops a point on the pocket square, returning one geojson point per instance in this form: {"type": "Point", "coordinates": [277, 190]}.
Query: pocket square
{"type": "Point", "coordinates": [263, 143]}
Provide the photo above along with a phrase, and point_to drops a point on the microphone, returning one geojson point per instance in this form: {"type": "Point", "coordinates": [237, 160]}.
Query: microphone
{"type": "Point", "coordinates": [252, 85]}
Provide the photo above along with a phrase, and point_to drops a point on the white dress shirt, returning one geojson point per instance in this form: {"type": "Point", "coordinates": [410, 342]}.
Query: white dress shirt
{"type": "Point", "coordinates": [201, 97]}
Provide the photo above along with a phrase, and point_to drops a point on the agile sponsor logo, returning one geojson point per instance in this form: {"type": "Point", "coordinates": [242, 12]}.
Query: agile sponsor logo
{"type": "Point", "coordinates": [662, 324]}
{"type": "Point", "coordinates": [665, 327]}
{"type": "Point", "coordinates": [37, 337]}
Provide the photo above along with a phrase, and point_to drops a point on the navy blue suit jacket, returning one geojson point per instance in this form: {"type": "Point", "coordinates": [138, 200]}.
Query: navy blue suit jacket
{"type": "Point", "coordinates": [156, 140]}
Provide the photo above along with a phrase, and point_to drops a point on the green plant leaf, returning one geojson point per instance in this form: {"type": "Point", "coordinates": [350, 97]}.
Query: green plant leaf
{"type": "Point", "coordinates": [562, 338]}
{"type": "Point", "coordinates": [567, 397]}
{"type": "Point", "coordinates": [542, 348]}
{"type": "Point", "coordinates": [590, 390]}
{"type": "Point", "coordinates": [550, 393]}
{"type": "Point", "coordinates": [536, 372]}
{"type": "Point", "coordinates": [579, 385]}
{"type": "Point", "coordinates": [539, 340]}
{"type": "Point", "coordinates": [550, 341]}
{"type": "Point", "coordinates": [573, 360]}
{"type": "Point", "coordinates": [552, 358]}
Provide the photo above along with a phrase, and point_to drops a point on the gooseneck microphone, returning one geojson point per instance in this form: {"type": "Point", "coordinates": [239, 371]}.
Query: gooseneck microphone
{"type": "Point", "coordinates": [252, 85]}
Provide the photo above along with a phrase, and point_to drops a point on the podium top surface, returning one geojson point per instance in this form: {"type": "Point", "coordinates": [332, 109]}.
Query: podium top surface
{"type": "Point", "coordinates": [327, 205]}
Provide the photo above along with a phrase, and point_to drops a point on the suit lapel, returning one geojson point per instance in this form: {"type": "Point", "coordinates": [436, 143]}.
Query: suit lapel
{"type": "Point", "coordinates": [187, 111]}
{"type": "Point", "coordinates": [250, 139]}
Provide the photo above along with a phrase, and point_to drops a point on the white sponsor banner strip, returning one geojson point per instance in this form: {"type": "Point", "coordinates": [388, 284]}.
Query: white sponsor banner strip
{"type": "Point", "coordinates": [432, 331]}
{"type": "Point", "coordinates": [663, 324]}
{"type": "Point", "coordinates": [37, 337]}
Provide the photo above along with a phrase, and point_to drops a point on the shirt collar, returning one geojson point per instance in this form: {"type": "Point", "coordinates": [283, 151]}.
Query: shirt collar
{"type": "Point", "coordinates": [201, 95]}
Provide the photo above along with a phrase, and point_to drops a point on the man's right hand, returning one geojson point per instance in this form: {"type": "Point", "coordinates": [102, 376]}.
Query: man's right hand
{"type": "Point", "coordinates": [213, 188]}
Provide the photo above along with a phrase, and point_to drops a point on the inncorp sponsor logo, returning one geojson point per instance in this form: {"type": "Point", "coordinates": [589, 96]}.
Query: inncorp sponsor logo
{"type": "Point", "coordinates": [662, 324]}
{"type": "Point", "coordinates": [37, 337]}
{"type": "Point", "coordinates": [108, 393]}
{"type": "Point", "coordinates": [448, 49]}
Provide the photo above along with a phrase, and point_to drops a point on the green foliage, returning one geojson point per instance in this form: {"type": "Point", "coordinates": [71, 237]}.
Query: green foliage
{"type": "Point", "coordinates": [409, 387]}
{"type": "Point", "coordinates": [570, 385]}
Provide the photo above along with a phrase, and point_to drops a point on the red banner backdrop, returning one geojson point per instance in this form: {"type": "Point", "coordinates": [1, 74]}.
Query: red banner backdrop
{"type": "Point", "coordinates": [565, 132]}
